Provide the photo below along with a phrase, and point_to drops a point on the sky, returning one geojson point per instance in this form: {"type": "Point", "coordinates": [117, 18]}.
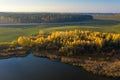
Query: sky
{"type": "Point", "coordinates": [100, 6]}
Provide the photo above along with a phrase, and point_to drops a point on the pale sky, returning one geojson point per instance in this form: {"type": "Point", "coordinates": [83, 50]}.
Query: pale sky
{"type": "Point", "coordinates": [60, 6]}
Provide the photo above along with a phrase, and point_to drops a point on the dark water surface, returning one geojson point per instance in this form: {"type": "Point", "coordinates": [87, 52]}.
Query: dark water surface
{"type": "Point", "coordinates": [35, 68]}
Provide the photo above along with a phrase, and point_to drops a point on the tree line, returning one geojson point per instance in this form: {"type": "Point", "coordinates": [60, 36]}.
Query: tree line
{"type": "Point", "coordinates": [42, 17]}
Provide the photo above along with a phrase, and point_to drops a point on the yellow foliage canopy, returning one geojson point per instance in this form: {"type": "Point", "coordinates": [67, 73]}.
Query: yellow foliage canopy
{"type": "Point", "coordinates": [24, 41]}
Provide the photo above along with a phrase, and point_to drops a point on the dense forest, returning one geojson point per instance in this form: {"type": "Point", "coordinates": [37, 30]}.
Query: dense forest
{"type": "Point", "coordinates": [74, 42]}
{"type": "Point", "coordinates": [42, 17]}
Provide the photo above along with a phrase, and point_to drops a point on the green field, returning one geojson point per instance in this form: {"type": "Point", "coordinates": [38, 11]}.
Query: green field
{"type": "Point", "coordinates": [12, 32]}
{"type": "Point", "coordinates": [107, 17]}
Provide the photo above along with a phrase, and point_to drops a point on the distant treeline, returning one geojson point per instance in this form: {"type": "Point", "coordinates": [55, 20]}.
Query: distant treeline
{"type": "Point", "coordinates": [42, 17]}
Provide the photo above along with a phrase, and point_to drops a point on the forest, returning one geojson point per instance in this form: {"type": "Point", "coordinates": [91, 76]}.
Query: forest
{"type": "Point", "coordinates": [74, 42]}
{"type": "Point", "coordinates": [6, 18]}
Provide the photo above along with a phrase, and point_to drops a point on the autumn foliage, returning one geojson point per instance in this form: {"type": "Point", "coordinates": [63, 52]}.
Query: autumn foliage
{"type": "Point", "coordinates": [74, 42]}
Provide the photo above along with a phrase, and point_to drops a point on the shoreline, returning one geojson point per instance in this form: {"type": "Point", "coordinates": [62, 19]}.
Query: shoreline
{"type": "Point", "coordinates": [100, 66]}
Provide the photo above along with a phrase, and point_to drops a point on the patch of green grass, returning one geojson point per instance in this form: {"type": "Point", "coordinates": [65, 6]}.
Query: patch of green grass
{"type": "Point", "coordinates": [107, 17]}
{"type": "Point", "coordinates": [11, 33]}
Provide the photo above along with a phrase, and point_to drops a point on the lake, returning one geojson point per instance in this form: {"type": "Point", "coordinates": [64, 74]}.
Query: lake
{"type": "Point", "coordinates": [36, 68]}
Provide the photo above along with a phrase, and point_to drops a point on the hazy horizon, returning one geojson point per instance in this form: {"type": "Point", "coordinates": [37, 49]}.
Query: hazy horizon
{"type": "Point", "coordinates": [63, 6]}
{"type": "Point", "coordinates": [52, 12]}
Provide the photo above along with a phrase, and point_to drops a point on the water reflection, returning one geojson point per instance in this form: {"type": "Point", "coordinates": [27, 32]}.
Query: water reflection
{"type": "Point", "coordinates": [34, 68]}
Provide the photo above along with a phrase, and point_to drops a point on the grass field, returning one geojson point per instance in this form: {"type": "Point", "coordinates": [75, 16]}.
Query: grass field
{"type": "Point", "coordinates": [12, 32]}
{"type": "Point", "coordinates": [108, 17]}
